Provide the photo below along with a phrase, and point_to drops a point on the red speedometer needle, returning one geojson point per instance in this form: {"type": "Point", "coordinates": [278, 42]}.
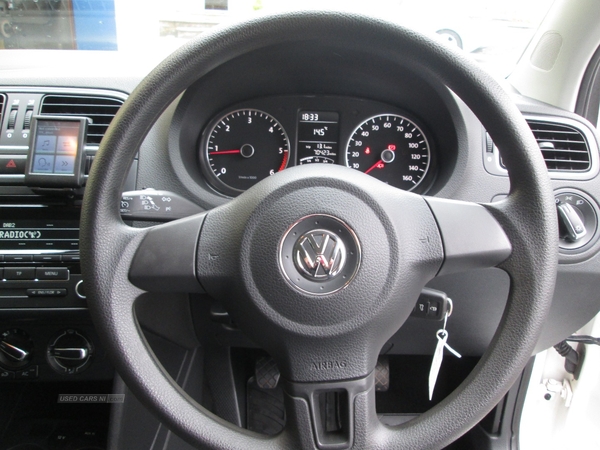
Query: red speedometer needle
{"type": "Point", "coordinates": [378, 165]}
{"type": "Point", "coordinates": [224, 152]}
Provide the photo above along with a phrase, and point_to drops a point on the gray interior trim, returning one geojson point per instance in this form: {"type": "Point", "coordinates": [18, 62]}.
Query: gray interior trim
{"type": "Point", "coordinates": [576, 22]}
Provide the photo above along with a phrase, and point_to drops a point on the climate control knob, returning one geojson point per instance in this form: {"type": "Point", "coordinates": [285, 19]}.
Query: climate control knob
{"type": "Point", "coordinates": [70, 352]}
{"type": "Point", "coordinates": [16, 348]}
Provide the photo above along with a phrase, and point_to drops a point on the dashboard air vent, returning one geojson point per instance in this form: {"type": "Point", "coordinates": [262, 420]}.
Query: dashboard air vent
{"type": "Point", "coordinates": [2, 100]}
{"type": "Point", "coordinates": [564, 147]}
{"type": "Point", "coordinates": [100, 110]}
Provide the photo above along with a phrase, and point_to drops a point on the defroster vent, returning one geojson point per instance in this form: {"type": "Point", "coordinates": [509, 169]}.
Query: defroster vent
{"type": "Point", "coordinates": [100, 110]}
{"type": "Point", "coordinates": [564, 147]}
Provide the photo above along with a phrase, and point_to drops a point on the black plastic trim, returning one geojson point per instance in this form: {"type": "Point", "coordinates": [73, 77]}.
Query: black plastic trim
{"type": "Point", "coordinates": [166, 260]}
{"type": "Point", "coordinates": [588, 99]}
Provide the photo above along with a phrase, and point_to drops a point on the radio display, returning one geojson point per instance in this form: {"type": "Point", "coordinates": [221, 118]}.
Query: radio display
{"type": "Point", "coordinates": [39, 234]}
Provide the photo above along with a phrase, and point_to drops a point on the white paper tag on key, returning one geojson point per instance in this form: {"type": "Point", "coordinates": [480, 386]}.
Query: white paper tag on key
{"type": "Point", "coordinates": [438, 355]}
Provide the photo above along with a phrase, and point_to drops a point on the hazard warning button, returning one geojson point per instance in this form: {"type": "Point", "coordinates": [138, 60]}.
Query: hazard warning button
{"type": "Point", "coordinates": [12, 166]}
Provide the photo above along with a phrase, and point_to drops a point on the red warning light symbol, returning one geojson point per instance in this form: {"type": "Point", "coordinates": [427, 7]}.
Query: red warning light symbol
{"type": "Point", "coordinates": [11, 164]}
{"type": "Point", "coordinates": [367, 151]}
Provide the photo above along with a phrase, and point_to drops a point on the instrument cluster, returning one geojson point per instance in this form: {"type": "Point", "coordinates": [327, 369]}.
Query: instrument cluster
{"type": "Point", "coordinates": [250, 141]}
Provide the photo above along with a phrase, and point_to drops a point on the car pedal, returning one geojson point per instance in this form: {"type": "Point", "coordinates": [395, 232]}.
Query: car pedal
{"type": "Point", "coordinates": [382, 374]}
{"type": "Point", "coordinates": [266, 373]}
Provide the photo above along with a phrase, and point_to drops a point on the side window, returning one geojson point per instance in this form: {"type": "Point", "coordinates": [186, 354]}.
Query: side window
{"type": "Point", "coordinates": [216, 4]}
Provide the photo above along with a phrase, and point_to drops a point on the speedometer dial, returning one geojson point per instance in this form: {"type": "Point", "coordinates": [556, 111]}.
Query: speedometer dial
{"type": "Point", "coordinates": [243, 147]}
{"type": "Point", "coordinates": [390, 148]}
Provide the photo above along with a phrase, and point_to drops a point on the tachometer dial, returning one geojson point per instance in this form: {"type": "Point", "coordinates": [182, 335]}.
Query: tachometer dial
{"type": "Point", "coordinates": [243, 147]}
{"type": "Point", "coordinates": [391, 148]}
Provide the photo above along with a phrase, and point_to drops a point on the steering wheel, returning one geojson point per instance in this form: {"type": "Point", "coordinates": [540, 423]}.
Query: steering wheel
{"type": "Point", "coordinates": [321, 265]}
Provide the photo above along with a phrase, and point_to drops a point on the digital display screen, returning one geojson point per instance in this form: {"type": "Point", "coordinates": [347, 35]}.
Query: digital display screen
{"type": "Point", "coordinates": [55, 147]}
{"type": "Point", "coordinates": [39, 234]}
{"type": "Point", "coordinates": [318, 134]}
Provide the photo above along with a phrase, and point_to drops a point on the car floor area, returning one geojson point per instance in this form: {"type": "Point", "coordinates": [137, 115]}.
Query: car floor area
{"type": "Point", "coordinates": [561, 411]}
{"type": "Point", "coordinates": [32, 418]}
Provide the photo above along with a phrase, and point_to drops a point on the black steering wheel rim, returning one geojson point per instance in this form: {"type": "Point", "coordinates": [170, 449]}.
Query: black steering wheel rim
{"type": "Point", "coordinates": [527, 216]}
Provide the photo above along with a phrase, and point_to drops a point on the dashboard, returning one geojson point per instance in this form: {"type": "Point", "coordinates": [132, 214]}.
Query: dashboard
{"type": "Point", "coordinates": [225, 134]}
{"type": "Point", "coordinates": [312, 117]}
{"type": "Point", "coordinates": [410, 132]}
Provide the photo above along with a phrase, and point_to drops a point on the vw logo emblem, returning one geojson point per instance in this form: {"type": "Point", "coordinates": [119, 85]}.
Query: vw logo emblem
{"type": "Point", "coordinates": [320, 254]}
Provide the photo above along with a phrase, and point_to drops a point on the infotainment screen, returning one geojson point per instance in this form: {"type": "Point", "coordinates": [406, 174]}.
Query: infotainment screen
{"type": "Point", "coordinates": [56, 150]}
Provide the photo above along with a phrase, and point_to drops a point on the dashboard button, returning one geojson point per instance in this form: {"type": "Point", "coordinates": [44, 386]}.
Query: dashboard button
{"type": "Point", "coordinates": [70, 258]}
{"type": "Point", "coordinates": [27, 374]}
{"type": "Point", "coordinates": [6, 375]}
{"type": "Point", "coordinates": [19, 273]}
{"type": "Point", "coordinates": [18, 258]}
{"type": "Point", "coordinates": [52, 273]}
{"type": "Point", "coordinates": [46, 258]}
{"type": "Point", "coordinates": [12, 166]}
{"type": "Point", "coordinates": [61, 292]}
{"type": "Point", "coordinates": [80, 289]}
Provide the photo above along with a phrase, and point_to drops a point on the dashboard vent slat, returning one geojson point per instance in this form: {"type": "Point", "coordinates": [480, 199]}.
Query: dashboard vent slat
{"type": "Point", "coordinates": [564, 147]}
{"type": "Point", "coordinates": [2, 101]}
{"type": "Point", "coordinates": [100, 110]}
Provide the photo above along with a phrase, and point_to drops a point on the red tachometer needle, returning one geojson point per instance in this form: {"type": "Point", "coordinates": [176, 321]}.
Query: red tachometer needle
{"type": "Point", "coordinates": [378, 165]}
{"type": "Point", "coordinates": [224, 152]}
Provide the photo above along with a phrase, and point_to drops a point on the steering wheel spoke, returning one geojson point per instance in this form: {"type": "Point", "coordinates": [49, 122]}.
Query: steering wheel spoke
{"type": "Point", "coordinates": [334, 414]}
{"type": "Point", "coordinates": [165, 260]}
{"type": "Point", "coordinates": [471, 236]}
